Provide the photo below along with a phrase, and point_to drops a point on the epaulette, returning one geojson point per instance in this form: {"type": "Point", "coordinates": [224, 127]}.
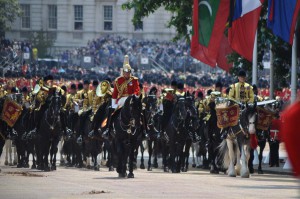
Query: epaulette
{"type": "Point", "coordinates": [134, 77]}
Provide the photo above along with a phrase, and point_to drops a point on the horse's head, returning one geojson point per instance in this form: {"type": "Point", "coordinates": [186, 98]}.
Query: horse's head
{"type": "Point", "coordinates": [133, 107]}
{"type": "Point", "coordinates": [248, 117]}
{"type": "Point", "coordinates": [150, 102]}
{"type": "Point", "coordinates": [192, 114]}
{"type": "Point", "coordinates": [180, 108]}
{"type": "Point", "coordinates": [55, 103]}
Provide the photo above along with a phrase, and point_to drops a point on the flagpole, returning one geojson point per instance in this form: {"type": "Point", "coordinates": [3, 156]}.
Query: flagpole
{"type": "Point", "coordinates": [254, 62]}
{"type": "Point", "coordinates": [271, 94]}
{"type": "Point", "coordinates": [294, 70]}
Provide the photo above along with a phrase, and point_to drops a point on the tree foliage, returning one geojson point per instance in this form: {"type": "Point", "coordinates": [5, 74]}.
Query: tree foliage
{"type": "Point", "coordinates": [181, 11]}
{"type": "Point", "coordinates": [42, 40]}
{"type": "Point", "coordinates": [9, 11]}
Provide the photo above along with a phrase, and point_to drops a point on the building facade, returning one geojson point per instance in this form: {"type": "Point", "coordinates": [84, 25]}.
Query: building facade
{"type": "Point", "coordinates": [72, 23]}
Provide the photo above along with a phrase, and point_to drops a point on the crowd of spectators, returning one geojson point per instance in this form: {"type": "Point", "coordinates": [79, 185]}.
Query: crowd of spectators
{"type": "Point", "coordinates": [108, 53]}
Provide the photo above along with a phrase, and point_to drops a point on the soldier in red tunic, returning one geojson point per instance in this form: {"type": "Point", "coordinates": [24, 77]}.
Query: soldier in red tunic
{"type": "Point", "coordinates": [124, 86]}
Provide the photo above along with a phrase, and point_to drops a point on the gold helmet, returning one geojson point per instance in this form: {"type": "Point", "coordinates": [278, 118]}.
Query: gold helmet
{"type": "Point", "coordinates": [126, 65]}
{"type": "Point", "coordinates": [103, 88]}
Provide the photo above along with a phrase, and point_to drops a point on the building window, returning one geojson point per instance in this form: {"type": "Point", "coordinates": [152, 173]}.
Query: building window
{"type": "Point", "coordinates": [108, 17]}
{"type": "Point", "coordinates": [78, 17]}
{"type": "Point", "coordinates": [52, 14]}
{"type": "Point", "coordinates": [25, 15]}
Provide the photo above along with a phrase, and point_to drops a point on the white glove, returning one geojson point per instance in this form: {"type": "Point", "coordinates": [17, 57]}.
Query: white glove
{"type": "Point", "coordinates": [113, 103]}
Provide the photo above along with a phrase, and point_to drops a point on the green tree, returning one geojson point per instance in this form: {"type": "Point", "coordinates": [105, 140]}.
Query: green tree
{"type": "Point", "coordinates": [42, 40]}
{"type": "Point", "coordinates": [181, 11]}
{"type": "Point", "coordinates": [9, 11]}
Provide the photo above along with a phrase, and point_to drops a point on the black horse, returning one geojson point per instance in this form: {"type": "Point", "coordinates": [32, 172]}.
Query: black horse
{"type": "Point", "coordinates": [192, 124]}
{"type": "Point", "coordinates": [93, 145]}
{"type": "Point", "coordinates": [175, 133]}
{"type": "Point", "coordinates": [50, 132]}
{"type": "Point", "coordinates": [126, 131]}
{"type": "Point", "coordinates": [213, 135]}
{"type": "Point", "coordinates": [149, 125]}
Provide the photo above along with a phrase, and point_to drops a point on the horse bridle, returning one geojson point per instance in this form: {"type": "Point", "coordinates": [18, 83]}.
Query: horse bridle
{"type": "Point", "coordinates": [56, 118]}
{"type": "Point", "coordinates": [131, 123]}
{"type": "Point", "coordinates": [181, 119]}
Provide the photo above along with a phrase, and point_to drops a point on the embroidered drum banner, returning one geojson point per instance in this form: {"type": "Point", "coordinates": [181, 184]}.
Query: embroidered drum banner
{"type": "Point", "coordinates": [228, 116]}
{"type": "Point", "coordinates": [11, 112]}
{"type": "Point", "coordinates": [264, 119]}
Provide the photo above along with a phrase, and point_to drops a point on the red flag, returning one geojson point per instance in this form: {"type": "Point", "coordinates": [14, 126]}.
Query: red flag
{"type": "Point", "coordinates": [241, 34]}
{"type": "Point", "coordinates": [224, 50]}
{"type": "Point", "coordinates": [209, 22]}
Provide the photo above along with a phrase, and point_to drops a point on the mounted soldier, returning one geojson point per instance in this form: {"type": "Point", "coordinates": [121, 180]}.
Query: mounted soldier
{"type": "Point", "coordinates": [82, 98]}
{"type": "Point", "coordinates": [242, 92]}
{"type": "Point", "coordinates": [124, 86]}
{"type": "Point", "coordinates": [103, 94]}
{"type": "Point", "coordinates": [167, 99]}
{"type": "Point", "coordinates": [69, 107]}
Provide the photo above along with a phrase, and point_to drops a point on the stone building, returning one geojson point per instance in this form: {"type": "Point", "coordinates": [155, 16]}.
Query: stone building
{"type": "Point", "coordinates": [72, 23]}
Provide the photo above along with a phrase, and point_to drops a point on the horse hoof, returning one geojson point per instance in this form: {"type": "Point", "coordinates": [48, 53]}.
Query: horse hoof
{"type": "Point", "coordinates": [142, 166]}
{"type": "Point", "coordinates": [111, 169]}
{"type": "Point", "coordinates": [79, 166]}
{"type": "Point", "coordinates": [251, 170]}
{"type": "Point", "coordinates": [166, 169]}
{"type": "Point", "coordinates": [53, 168]}
{"type": "Point", "coordinates": [26, 165]}
{"type": "Point", "coordinates": [130, 175]}
{"type": "Point", "coordinates": [33, 166]}
{"type": "Point", "coordinates": [232, 175]}
{"type": "Point", "coordinates": [214, 171]}
{"type": "Point", "coordinates": [88, 167]}
{"type": "Point", "coordinates": [47, 169]}
{"type": "Point", "coordinates": [193, 165]}
{"type": "Point", "coordinates": [149, 169]}
{"type": "Point", "coordinates": [260, 172]}
{"type": "Point", "coordinates": [155, 165]}
{"type": "Point", "coordinates": [122, 175]}
{"type": "Point", "coordinates": [6, 163]}
{"type": "Point", "coordinates": [245, 176]}
{"type": "Point", "coordinates": [18, 165]}
{"type": "Point", "coordinates": [103, 162]}
{"type": "Point", "coordinates": [15, 163]}
{"type": "Point", "coordinates": [198, 167]}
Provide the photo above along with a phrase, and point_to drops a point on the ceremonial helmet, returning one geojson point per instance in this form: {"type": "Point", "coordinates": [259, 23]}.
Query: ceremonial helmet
{"type": "Point", "coordinates": [99, 91]}
{"type": "Point", "coordinates": [126, 65]}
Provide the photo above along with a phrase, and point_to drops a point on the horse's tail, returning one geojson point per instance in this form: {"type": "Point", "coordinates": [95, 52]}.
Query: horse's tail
{"type": "Point", "coordinates": [224, 153]}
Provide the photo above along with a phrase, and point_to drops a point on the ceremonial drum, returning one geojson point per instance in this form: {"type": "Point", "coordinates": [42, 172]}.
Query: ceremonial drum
{"type": "Point", "coordinates": [264, 119]}
{"type": "Point", "coordinates": [227, 115]}
{"type": "Point", "coordinates": [11, 112]}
